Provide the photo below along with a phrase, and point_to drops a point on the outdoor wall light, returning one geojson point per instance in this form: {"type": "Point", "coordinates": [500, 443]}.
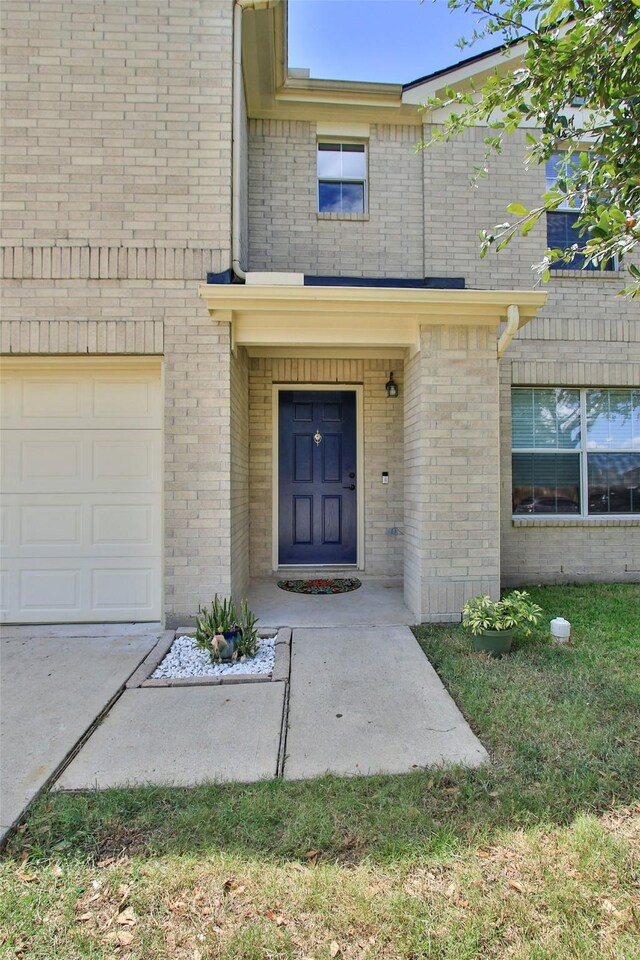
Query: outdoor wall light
{"type": "Point", "coordinates": [391, 386]}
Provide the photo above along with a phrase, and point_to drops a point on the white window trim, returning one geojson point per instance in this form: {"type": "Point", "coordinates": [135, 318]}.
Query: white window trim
{"type": "Point", "coordinates": [363, 180]}
{"type": "Point", "coordinates": [583, 451]}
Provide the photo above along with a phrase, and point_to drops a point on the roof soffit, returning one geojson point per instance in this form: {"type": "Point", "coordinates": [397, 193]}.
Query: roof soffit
{"type": "Point", "coordinates": [271, 94]}
{"type": "Point", "coordinates": [356, 316]}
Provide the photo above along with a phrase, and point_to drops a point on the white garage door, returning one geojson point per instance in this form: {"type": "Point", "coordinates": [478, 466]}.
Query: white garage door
{"type": "Point", "coordinates": [81, 490]}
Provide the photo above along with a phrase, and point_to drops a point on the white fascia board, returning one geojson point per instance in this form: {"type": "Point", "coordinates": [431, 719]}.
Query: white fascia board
{"type": "Point", "coordinates": [351, 131]}
{"type": "Point", "coordinates": [441, 115]}
{"type": "Point", "coordinates": [458, 75]}
{"type": "Point", "coordinates": [275, 279]}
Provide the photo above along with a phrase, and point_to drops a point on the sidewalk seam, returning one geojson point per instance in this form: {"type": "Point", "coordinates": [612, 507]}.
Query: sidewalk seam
{"type": "Point", "coordinates": [284, 727]}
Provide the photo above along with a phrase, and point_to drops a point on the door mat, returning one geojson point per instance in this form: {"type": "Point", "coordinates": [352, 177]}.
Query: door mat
{"type": "Point", "coordinates": [345, 585]}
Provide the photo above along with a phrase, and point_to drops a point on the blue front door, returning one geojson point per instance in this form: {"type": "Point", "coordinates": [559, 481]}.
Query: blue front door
{"type": "Point", "coordinates": [317, 466]}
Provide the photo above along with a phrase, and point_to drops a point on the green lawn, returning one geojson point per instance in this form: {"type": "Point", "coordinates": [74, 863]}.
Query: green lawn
{"type": "Point", "coordinates": [535, 856]}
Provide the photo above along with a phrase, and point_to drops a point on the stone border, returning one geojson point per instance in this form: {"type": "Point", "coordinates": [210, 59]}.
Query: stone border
{"type": "Point", "coordinates": [142, 676]}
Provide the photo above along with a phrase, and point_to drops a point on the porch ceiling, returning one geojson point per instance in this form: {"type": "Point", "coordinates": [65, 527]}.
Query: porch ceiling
{"type": "Point", "coordinates": [298, 316]}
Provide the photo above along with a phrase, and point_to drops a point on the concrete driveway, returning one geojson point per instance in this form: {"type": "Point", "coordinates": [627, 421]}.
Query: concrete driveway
{"type": "Point", "coordinates": [55, 681]}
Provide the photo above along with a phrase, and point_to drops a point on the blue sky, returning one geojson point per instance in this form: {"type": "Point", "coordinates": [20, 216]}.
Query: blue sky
{"type": "Point", "coordinates": [389, 41]}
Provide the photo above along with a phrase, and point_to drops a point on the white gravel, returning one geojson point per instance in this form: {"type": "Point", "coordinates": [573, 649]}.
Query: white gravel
{"type": "Point", "coordinates": [186, 659]}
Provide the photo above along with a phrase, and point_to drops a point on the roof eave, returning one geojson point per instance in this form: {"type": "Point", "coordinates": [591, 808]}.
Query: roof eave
{"type": "Point", "coordinates": [355, 318]}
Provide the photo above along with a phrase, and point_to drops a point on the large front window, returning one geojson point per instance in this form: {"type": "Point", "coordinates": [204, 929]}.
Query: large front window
{"type": "Point", "coordinates": [575, 452]}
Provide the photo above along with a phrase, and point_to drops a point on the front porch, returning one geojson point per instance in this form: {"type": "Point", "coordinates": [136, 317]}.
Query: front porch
{"type": "Point", "coordinates": [379, 602]}
{"type": "Point", "coordinates": [426, 500]}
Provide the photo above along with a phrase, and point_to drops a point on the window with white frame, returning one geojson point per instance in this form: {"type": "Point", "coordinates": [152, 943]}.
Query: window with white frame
{"type": "Point", "coordinates": [562, 232]}
{"type": "Point", "coordinates": [575, 451]}
{"type": "Point", "coordinates": [342, 177]}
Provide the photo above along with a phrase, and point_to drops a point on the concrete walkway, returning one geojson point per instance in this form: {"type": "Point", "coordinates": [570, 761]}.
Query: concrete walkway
{"type": "Point", "coordinates": [359, 700]}
{"type": "Point", "coordinates": [183, 736]}
{"type": "Point", "coordinates": [368, 701]}
{"type": "Point", "coordinates": [55, 682]}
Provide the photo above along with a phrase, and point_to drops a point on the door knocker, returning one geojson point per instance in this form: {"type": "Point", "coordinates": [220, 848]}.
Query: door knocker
{"type": "Point", "coordinates": [318, 438]}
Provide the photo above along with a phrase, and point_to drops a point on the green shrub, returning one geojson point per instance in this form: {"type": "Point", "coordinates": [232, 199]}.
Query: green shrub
{"type": "Point", "coordinates": [514, 610]}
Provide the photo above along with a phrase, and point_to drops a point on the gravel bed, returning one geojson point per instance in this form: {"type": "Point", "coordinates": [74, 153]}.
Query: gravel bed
{"type": "Point", "coordinates": [186, 659]}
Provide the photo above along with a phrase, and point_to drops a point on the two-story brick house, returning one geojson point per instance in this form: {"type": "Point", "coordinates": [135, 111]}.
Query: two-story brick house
{"type": "Point", "coordinates": [168, 438]}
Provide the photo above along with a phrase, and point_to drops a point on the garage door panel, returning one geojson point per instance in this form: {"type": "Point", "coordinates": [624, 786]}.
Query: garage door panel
{"type": "Point", "coordinates": [132, 403]}
{"type": "Point", "coordinates": [4, 594]}
{"type": "Point", "coordinates": [131, 462]}
{"type": "Point", "coordinates": [47, 399]}
{"type": "Point", "coordinates": [136, 525]}
{"type": "Point", "coordinates": [81, 399]}
{"type": "Point", "coordinates": [8, 395]}
{"type": "Point", "coordinates": [5, 519]}
{"type": "Point", "coordinates": [49, 525]}
{"type": "Point", "coordinates": [81, 525]}
{"type": "Point", "coordinates": [50, 460]}
{"type": "Point", "coordinates": [108, 590]}
{"type": "Point", "coordinates": [68, 461]}
{"type": "Point", "coordinates": [44, 590]}
{"type": "Point", "coordinates": [117, 587]}
{"type": "Point", "coordinates": [36, 461]}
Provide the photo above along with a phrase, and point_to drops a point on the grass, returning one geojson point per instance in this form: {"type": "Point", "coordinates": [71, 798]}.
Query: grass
{"type": "Point", "coordinates": [534, 857]}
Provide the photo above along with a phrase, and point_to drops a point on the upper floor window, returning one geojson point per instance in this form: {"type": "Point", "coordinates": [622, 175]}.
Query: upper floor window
{"type": "Point", "coordinates": [562, 232]}
{"type": "Point", "coordinates": [342, 177]}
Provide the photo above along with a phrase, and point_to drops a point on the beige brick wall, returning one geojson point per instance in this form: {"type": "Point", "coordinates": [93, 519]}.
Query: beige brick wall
{"type": "Point", "coordinates": [452, 535]}
{"type": "Point", "coordinates": [116, 123]}
{"type": "Point", "coordinates": [383, 445]}
{"type": "Point", "coordinates": [285, 230]}
{"type": "Point", "coordinates": [240, 466]}
{"type": "Point", "coordinates": [73, 317]}
{"type": "Point", "coordinates": [197, 482]}
{"type": "Point", "coordinates": [455, 211]}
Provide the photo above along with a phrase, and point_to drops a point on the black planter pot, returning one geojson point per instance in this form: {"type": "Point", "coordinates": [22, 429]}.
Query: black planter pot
{"type": "Point", "coordinates": [226, 651]}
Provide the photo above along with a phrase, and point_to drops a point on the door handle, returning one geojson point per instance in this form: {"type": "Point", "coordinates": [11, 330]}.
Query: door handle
{"type": "Point", "coordinates": [348, 486]}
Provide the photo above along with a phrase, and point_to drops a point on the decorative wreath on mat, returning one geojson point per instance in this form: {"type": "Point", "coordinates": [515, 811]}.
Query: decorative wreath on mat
{"type": "Point", "coordinates": [344, 585]}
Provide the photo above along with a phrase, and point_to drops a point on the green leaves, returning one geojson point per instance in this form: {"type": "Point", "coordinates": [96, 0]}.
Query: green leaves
{"type": "Point", "coordinates": [518, 210]}
{"type": "Point", "coordinates": [558, 10]}
{"type": "Point", "coordinates": [576, 85]}
{"type": "Point", "coordinates": [515, 609]}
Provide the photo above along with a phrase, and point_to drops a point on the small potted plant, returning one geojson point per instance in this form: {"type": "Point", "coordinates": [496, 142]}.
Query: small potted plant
{"type": "Point", "coordinates": [492, 622]}
{"type": "Point", "coordinates": [217, 629]}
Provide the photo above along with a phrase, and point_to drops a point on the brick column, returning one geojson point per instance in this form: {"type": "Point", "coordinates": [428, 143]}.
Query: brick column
{"type": "Point", "coordinates": [198, 430]}
{"type": "Point", "coordinates": [452, 471]}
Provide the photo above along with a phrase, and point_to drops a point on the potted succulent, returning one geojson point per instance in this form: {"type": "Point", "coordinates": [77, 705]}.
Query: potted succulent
{"type": "Point", "coordinates": [225, 633]}
{"type": "Point", "coordinates": [492, 622]}
{"type": "Point", "coordinates": [217, 629]}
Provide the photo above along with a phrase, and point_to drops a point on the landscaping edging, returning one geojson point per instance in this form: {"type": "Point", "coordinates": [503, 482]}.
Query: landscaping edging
{"type": "Point", "coordinates": [142, 676]}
